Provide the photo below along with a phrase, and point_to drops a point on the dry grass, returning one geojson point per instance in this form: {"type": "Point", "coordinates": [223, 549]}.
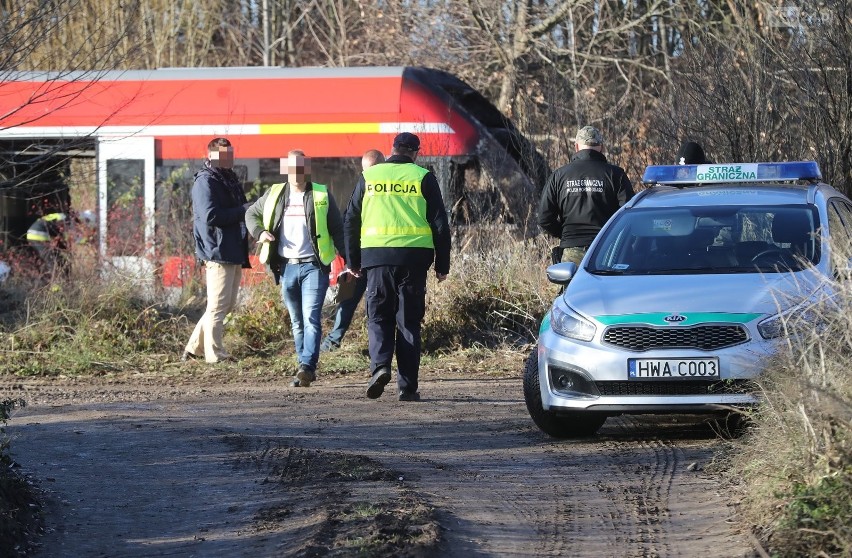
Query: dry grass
{"type": "Point", "coordinates": [483, 318]}
{"type": "Point", "coordinates": [495, 296]}
{"type": "Point", "coordinates": [794, 468]}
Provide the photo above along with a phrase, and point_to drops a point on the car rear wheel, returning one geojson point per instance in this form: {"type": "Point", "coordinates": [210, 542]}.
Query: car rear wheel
{"type": "Point", "coordinates": [572, 425]}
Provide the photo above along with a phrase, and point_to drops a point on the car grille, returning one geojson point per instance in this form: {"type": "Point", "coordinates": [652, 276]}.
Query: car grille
{"type": "Point", "coordinates": [685, 387]}
{"type": "Point", "coordinates": [708, 337]}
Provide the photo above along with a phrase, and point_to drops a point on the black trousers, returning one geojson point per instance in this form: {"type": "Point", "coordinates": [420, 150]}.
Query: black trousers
{"type": "Point", "coordinates": [396, 304]}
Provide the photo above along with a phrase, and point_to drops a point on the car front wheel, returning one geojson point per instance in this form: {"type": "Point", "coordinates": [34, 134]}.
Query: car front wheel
{"type": "Point", "coordinates": [564, 425]}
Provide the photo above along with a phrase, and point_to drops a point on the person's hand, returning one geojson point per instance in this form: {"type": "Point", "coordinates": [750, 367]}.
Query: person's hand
{"type": "Point", "coordinates": [266, 236]}
{"type": "Point", "coordinates": [441, 276]}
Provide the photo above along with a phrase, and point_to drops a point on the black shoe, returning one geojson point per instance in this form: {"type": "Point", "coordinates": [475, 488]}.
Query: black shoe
{"type": "Point", "coordinates": [409, 395]}
{"type": "Point", "coordinates": [187, 356]}
{"type": "Point", "coordinates": [305, 375]}
{"type": "Point", "coordinates": [377, 383]}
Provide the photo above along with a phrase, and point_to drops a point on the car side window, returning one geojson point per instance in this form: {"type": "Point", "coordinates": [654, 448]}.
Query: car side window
{"type": "Point", "coordinates": [840, 229]}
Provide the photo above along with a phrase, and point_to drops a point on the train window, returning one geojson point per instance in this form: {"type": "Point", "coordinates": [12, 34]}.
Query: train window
{"type": "Point", "coordinates": [125, 207]}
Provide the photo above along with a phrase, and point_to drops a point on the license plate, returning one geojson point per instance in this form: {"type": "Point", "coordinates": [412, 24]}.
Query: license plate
{"type": "Point", "coordinates": [673, 369]}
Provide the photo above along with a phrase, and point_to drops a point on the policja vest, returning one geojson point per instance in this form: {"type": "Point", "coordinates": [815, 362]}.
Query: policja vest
{"type": "Point", "coordinates": [39, 231]}
{"type": "Point", "coordinates": [324, 242]}
{"type": "Point", "coordinates": [393, 211]}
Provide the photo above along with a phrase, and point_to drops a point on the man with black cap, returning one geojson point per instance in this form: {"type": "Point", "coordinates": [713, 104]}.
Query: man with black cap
{"type": "Point", "coordinates": [580, 197]}
{"type": "Point", "coordinates": [691, 153]}
{"type": "Point", "coordinates": [395, 227]}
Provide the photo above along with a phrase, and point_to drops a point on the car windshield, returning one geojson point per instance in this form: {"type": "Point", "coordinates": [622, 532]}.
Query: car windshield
{"type": "Point", "coordinates": [692, 240]}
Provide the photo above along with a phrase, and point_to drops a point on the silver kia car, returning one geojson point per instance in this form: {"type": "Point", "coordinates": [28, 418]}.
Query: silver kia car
{"type": "Point", "coordinates": [685, 294]}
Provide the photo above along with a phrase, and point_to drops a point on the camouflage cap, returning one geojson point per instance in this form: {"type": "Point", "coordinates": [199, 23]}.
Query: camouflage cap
{"type": "Point", "coordinates": [589, 135]}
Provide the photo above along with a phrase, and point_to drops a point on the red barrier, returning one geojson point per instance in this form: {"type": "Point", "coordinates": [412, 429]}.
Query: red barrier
{"type": "Point", "coordinates": [179, 270]}
{"type": "Point", "coordinates": [337, 265]}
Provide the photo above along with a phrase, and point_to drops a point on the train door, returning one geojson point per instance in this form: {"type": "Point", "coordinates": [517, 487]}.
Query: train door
{"type": "Point", "coordinates": [126, 205]}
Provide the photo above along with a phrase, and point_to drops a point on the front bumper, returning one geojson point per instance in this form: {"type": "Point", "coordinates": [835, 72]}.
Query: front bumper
{"type": "Point", "coordinates": [576, 375]}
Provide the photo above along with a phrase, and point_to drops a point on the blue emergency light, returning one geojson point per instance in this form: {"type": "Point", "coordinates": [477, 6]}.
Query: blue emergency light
{"type": "Point", "coordinates": [732, 172]}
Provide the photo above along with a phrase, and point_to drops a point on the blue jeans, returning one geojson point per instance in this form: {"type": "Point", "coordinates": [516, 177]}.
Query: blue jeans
{"type": "Point", "coordinates": [345, 312]}
{"type": "Point", "coordinates": [303, 289]}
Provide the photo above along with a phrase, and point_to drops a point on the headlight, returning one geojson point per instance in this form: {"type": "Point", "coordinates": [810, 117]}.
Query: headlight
{"type": "Point", "coordinates": [798, 319]}
{"type": "Point", "coordinates": [568, 323]}
{"type": "Point", "coordinates": [772, 327]}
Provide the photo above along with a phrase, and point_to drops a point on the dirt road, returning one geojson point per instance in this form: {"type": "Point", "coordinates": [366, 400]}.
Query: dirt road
{"type": "Point", "coordinates": [147, 469]}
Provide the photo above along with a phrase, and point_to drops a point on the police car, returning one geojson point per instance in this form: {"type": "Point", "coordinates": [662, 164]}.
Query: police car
{"type": "Point", "coordinates": [685, 294]}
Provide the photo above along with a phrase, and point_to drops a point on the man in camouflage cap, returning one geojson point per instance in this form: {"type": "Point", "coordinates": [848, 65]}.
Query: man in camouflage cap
{"type": "Point", "coordinates": [580, 197]}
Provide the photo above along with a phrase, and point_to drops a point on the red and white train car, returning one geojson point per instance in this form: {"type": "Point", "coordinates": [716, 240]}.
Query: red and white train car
{"type": "Point", "coordinates": [147, 132]}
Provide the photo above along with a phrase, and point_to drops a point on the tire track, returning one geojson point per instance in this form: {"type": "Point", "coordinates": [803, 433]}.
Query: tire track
{"type": "Point", "coordinates": [497, 486]}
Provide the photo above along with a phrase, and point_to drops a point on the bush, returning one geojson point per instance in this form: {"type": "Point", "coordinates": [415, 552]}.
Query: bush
{"type": "Point", "coordinates": [795, 466]}
{"type": "Point", "coordinates": [262, 322]}
{"type": "Point", "coordinates": [79, 324]}
{"type": "Point", "coordinates": [494, 295]}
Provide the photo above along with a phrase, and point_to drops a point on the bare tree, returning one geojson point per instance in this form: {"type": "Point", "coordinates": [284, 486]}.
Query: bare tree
{"type": "Point", "coordinates": [820, 74]}
{"type": "Point", "coordinates": [35, 38]}
{"type": "Point", "coordinates": [50, 41]}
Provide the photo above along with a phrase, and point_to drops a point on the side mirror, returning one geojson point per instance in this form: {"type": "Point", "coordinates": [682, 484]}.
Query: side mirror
{"type": "Point", "coordinates": [561, 273]}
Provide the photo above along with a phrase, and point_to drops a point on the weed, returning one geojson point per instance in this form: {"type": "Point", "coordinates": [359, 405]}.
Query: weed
{"type": "Point", "coordinates": [86, 326]}
{"type": "Point", "coordinates": [262, 322]}
{"type": "Point", "coordinates": [497, 295]}
{"type": "Point", "coordinates": [795, 465]}
{"type": "Point", "coordinates": [818, 517]}
{"type": "Point", "coordinates": [362, 510]}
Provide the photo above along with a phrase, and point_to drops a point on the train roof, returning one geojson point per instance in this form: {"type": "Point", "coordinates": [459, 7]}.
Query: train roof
{"type": "Point", "coordinates": [244, 72]}
{"type": "Point", "coordinates": [327, 112]}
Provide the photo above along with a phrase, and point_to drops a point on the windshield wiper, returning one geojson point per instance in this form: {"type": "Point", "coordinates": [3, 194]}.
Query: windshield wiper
{"type": "Point", "coordinates": [606, 271]}
{"type": "Point", "coordinates": [681, 271]}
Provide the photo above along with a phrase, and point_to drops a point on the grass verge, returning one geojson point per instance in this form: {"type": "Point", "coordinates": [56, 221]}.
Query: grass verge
{"type": "Point", "coordinates": [794, 467]}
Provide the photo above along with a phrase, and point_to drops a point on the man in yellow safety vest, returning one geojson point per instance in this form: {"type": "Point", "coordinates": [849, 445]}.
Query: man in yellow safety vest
{"type": "Point", "coordinates": [396, 227]}
{"type": "Point", "coordinates": [299, 227]}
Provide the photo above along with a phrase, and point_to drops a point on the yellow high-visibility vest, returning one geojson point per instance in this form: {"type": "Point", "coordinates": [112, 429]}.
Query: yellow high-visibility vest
{"type": "Point", "coordinates": [393, 211]}
{"type": "Point", "coordinates": [325, 244]}
{"type": "Point", "coordinates": [38, 231]}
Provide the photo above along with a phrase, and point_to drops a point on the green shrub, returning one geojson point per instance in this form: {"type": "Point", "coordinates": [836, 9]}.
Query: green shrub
{"type": "Point", "coordinates": [818, 518]}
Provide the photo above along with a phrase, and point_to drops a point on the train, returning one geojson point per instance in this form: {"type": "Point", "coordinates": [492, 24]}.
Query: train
{"type": "Point", "coordinates": [125, 145]}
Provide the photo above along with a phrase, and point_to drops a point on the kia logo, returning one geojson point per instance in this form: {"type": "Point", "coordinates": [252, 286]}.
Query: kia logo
{"type": "Point", "coordinates": [675, 318]}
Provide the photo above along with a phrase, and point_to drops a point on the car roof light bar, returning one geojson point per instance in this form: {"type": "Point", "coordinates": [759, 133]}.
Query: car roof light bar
{"type": "Point", "coordinates": [732, 173]}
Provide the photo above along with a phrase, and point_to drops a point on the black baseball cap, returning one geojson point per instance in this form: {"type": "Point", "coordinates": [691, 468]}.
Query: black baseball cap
{"type": "Point", "coordinates": [407, 140]}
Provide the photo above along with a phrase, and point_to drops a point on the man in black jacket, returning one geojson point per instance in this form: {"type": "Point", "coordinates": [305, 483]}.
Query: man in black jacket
{"type": "Point", "coordinates": [395, 228]}
{"type": "Point", "coordinates": [218, 207]}
{"type": "Point", "coordinates": [581, 196]}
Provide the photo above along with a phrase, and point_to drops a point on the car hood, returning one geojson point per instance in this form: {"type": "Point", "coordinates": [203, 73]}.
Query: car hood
{"type": "Point", "coordinates": [662, 295]}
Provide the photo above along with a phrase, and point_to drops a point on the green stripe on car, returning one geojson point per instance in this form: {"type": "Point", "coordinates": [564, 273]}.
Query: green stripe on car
{"type": "Point", "coordinates": [545, 323]}
{"type": "Point", "coordinates": [689, 318]}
